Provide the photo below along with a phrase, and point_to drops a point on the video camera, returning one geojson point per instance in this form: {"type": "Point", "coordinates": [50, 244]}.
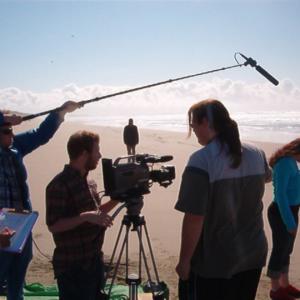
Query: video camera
{"type": "Point", "coordinates": [132, 176]}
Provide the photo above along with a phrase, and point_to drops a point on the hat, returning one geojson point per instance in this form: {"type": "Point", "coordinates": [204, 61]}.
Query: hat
{"type": "Point", "coordinates": [3, 122]}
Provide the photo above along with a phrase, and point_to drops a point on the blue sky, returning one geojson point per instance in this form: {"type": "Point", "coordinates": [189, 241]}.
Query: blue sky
{"type": "Point", "coordinates": [54, 49]}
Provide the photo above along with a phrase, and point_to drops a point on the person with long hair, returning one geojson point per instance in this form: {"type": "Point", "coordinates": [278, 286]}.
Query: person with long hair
{"type": "Point", "coordinates": [283, 218]}
{"type": "Point", "coordinates": [223, 244]}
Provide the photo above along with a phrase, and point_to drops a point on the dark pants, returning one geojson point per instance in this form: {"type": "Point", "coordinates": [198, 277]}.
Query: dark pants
{"type": "Point", "coordinates": [283, 241]}
{"type": "Point", "coordinates": [13, 268]}
{"type": "Point", "coordinates": [130, 149]}
{"type": "Point", "coordinates": [80, 283]}
{"type": "Point", "coordinates": [241, 286]}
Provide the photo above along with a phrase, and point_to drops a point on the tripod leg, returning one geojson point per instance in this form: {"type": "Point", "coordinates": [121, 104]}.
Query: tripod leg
{"type": "Point", "coordinates": [139, 229]}
{"type": "Point", "coordinates": [126, 256]}
{"type": "Point", "coordinates": [140, 256]}
{"type": "Point", "coordinates": [125, 241]}
{"type": "Point", "coordinates": [114, 252]}
{"type": "Point", "coordinates": [151, 253]}
{"type": "Point", "coordinates": [159, 290]}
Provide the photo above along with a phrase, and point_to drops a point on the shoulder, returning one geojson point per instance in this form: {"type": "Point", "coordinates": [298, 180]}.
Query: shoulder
{"type": "Point", "coordinates": [197, 157]}
{"type": "Point", "coordinates": [58, 182]}
{"type": "Point", "coordinates": [199, 160]}
{"type": "Point", "coordinates": [205, 156]}
{"type": "Point", "coordinates": [251, 148]}
{"type": "Point", "coordinates": [285, 162]}
{"type": "Point", "coordinates": [251, 151]}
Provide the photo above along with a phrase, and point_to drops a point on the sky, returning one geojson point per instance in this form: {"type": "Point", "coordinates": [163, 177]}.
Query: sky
{"type": "Point", "coordinates": [52, 51]}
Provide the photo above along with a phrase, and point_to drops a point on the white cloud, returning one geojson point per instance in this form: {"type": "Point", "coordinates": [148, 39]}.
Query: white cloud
{"type": "Point", "coordinates": [170, 98]}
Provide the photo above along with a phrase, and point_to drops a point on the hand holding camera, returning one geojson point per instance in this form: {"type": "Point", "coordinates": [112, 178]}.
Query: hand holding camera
{"type": "Point", "coordinates": [98, 218]}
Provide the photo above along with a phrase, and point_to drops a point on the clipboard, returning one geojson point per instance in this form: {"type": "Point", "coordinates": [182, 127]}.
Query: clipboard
{"type": "Point", "coordinates": [22, 223]}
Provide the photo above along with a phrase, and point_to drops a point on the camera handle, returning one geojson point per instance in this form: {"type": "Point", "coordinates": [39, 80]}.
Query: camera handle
{"type": "Point", "coordinates": [137, 223]}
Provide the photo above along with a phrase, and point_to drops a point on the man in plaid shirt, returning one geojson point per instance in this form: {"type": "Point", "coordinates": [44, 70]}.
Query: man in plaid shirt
{"type": "Point", "coordinates": [77, 220]}
{"type": "Point", "coordinates": [14, 192]}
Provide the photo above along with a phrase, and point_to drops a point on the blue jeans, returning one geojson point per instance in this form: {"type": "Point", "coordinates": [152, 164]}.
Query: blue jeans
{"type": "Point", "coordinates": [79, 283]}
{"type": "Point", "coordinates": [13, 270]}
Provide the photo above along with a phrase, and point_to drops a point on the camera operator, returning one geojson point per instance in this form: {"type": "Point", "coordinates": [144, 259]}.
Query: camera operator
{"type": "Point", "coordinates": [223, 244]}
{"type": "Point", "coordinates": [14, 192]}
{"type": "Point", "coordinates": [77, 221]}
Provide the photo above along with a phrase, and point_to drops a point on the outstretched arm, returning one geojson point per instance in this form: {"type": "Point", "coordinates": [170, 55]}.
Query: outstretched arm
{"type": "Point", "coordinates": [28, 141]}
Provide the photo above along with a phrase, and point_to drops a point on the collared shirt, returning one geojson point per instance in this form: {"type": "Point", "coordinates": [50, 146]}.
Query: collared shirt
{"type": "Point", "coordinates": [68, 195]}
{"type": "Point", "coordinates": [23, 144]}
{"type": "Point", "coordinates": [10, 189]}
{"type": "Point", "coordinates": [233, 238]}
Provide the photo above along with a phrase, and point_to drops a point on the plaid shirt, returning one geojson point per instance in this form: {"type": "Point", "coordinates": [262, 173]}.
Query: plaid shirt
{"type": "Point", "coordinates": [13, 174]}
{"type": "Point", "coordinates": [10, 190]}
{"type": "Point", "coordinates": [68, 195]}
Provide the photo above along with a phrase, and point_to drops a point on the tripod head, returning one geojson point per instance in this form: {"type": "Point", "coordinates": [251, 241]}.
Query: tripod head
{"type": "Point", "coordinates": [133, 216]}
{"type": "Point", "coordinates": [134, 205]}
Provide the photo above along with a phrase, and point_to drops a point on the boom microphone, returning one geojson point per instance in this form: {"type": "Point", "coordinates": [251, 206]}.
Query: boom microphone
{"type": "Point", "coordinates": [249, 61]}
{"type": "Point", "coordinates": [262, 71]}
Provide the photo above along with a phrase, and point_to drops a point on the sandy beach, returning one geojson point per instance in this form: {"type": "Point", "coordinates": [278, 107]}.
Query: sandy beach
{"type": "Point", "coordinates": [163, 222]}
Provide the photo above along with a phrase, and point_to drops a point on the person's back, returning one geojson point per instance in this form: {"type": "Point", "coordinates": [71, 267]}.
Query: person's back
{"type": "Point", "coordinates": [283, 217]}
{"type": "Point", "coordinates": [130, 137]}
{"type": "Point", "coordinates": [234, 212]}
{"type": "Point", "coordinates": [223, 245]}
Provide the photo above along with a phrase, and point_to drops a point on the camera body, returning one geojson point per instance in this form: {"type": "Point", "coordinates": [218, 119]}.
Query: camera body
{"type": "Point", "coordinates": [132, 176]}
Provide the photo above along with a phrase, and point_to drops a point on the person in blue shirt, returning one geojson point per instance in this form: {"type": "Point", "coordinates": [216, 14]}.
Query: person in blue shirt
{"type": "Point", "coordinates": [283, 218]}
{"type": "Point", "coordinates": [14, 192]}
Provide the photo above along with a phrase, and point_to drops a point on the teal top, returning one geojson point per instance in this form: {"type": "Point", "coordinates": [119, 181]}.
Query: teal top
{"type": "Point", "coordinates": [286, 182]}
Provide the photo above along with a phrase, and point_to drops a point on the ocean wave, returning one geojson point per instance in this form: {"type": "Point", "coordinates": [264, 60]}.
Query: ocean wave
{"type": "Point", "coordinates": [262, 126]}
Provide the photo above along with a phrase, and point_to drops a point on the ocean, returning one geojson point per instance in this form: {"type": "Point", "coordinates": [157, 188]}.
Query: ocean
{"type": "Point", "coordinates": [279, 127]}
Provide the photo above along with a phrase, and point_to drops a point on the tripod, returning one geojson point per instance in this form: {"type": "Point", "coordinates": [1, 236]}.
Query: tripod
{"type": "Point", "coordinates": [134, 220]}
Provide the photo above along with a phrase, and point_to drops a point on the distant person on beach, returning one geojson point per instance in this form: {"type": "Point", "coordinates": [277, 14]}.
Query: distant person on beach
{"type": "Point", "coordinates": [283, 218]}
{"type": "Point", "coordinates": [77, 221]}
{"type": "Point", "coordinates": [14, 191]}
{"type": "Point", "coordinates": [223, 243]}
{"type": "Point", "coordinates": [130, 137]}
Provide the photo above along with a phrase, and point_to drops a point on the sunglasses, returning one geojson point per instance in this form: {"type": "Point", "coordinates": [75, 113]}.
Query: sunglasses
{"type": "Point", "coordinates": [6, 131]}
